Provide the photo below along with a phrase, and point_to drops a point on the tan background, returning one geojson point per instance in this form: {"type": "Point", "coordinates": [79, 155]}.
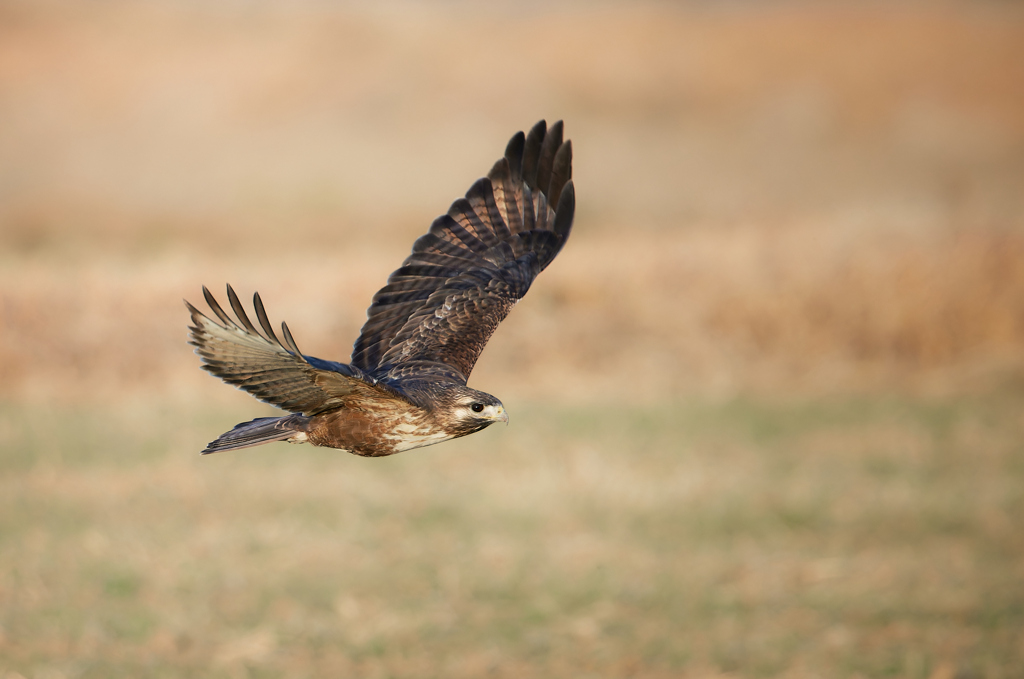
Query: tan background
{"type": "Point", "coordinates": [812, 197]}
{"type": "Point", "coordinates": [778, 205]}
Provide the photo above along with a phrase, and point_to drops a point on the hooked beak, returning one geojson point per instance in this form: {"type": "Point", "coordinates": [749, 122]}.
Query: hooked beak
{"type": "Point", "coordinates": [502, 415]}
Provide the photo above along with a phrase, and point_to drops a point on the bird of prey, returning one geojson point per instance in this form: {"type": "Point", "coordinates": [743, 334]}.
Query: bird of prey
{"type": "Point", "coordinates": [405, 385]}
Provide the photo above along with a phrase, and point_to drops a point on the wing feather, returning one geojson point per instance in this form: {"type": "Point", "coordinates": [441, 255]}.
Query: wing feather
{"type": "Point", "coordinates": [468, 271]}
{"type": "Point", "coordinates": [259, 363]}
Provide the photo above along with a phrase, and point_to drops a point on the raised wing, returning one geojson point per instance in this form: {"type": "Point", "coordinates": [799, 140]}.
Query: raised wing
{"type": "Point", "coordinates": [440, 307]}
{"type": "Point", "coordinates": [271, 370]}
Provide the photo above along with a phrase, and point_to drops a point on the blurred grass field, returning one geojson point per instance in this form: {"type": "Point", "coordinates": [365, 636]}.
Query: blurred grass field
{"type": "Point", "coordinates": [853, 537]}
{"type": "Point", "coordinates": [767, 407]}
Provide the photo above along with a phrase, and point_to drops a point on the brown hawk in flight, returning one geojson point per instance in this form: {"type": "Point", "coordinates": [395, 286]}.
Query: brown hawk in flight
{"type": "Point", "coordinates": [405, 386]}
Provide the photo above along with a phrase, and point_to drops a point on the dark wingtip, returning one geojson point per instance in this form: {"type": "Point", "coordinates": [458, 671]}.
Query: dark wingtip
{"type": "Point", "coordinates": [208, 296]}
{"type": "Point", "coordinates": [236, 306]}
{"type": "Point", "coordinates": [561, 171]}
{"type": "Point", "coordinates": [217, 310]}
{"type": "Point", "coordinates": [545, 165]}
{"type": "Point", "coordinates": [564, 211]}
{"type": "Point", "coordinates": [290, 341]}
{"type": "Point", "coordinates": [514, 155]}
{"type": "Point", "coordinates": [531, 153]}
{"type": "Point", "coordinates": [261, 316]}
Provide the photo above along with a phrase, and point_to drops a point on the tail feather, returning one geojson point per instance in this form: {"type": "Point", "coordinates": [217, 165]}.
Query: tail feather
{"type": "Point", "coordinates": [259, 431]}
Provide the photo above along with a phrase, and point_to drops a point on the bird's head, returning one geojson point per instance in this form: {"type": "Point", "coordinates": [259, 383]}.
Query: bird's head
{"type": "Point", "coordinates": [466, 410]}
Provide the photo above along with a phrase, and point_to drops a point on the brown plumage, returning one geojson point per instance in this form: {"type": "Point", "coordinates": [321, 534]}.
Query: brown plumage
{"type": "Point", "coordinates": [405, 386]}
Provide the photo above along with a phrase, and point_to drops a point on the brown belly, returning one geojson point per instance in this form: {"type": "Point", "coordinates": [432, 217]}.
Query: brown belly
{"type": "Point", "coordinates": [374, 433]}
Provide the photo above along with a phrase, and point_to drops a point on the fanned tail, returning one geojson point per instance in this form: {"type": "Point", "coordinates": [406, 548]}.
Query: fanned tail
{"type": "Point", "coordinates": [259, 431]}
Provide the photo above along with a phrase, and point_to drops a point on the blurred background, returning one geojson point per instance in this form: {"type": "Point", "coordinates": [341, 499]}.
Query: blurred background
{"type": "Point", "coordinates": [767, 407]}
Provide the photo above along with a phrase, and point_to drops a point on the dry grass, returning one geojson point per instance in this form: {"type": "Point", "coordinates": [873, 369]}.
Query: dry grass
{"type": "Point", "coordinates": [696, 312]}
{"type": "Point", "coordinates": [765, 406]}
{"type": "Point", "coordinates": [847, 538]}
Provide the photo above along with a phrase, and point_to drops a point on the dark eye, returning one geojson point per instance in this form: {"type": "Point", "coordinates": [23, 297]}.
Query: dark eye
{"type": "Point", "coordinates": [477, 407]}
